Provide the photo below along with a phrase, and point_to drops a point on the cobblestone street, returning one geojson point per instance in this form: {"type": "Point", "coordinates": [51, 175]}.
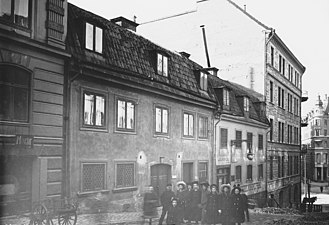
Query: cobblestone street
{"type": "Point", "coordinates": [134, 218]}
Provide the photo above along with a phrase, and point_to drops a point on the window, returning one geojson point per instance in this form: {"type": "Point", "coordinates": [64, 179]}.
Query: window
{"type": "Point", "coordinates": [93, 109]}
{"type": "Point", "coordinates": [93, 177]}
{"type": "Point", "coordinates": [271, 167]}
{"type": "Point", "coordinates": [126, 115]}
{"type": "Point", "coordinates": [14, 94]}
{"type": "Point", "coordinates": [282, 96]}
{"type": "Point", "coordinates": [249, 142]}
{"type": "Point", "coordinates": [125, 175]}
{"type": "Point", "coordinates": [296, 164]}
{"type": "Point", "coordinates": [272, 56]}
{"type": "Point", "coordinates": [296, 79]}
{"type": "Point", "coordinates": [325, 122]}
{"type": "Point", "coordinates": [282, 167]}
{"type": "Point", "coordinates": [283, 66]}
{"type": "Point", "coordinates": [203, 171]}
{"type": "Point", "coordinates": [238, 138]}
{"type": "Point", "coordinates": [161, 120]}
{"type": "Point", "coordinates": [238, 173]}
{"type": "Point", "coordinates": [318, 158]}
{"type": "Point", "coordinates": [94, 38]}
{"type": "Point", "coordinates": [15, 11]}
{"type": "Point", "coordinates": [279, 167]}
{"type": "Point", "coordinates": [289, 103]}
{"type": "Point", "coordinates": [162, 65]}
{"type": "Point", "coordinates": [279, 96]}
{"type": "Point", "coordinates": [203, 127]}
{"type": "Point", "coordinates": [271, 131]}
{"type": "Point", "coordinates": [260, 172]}
{"type": "Point", "coordinates": [203, 81]}
{"type": "Point", "coordinates": [226, 97]}
{"type": "Point", "coordinates": [260, 142]}
{"type": "Point", "coordinates": [280, 63]}
{"type": "Point", "coordinates": [317, 122]}
{"type": "Point", "coordinates": [290, 138]}
{"type": "Point", "coordinates": [246, 104]}
{"type": "Point", "coordinates": [271, 91]}
{"type": "Point", "coordinates": [325, 158]}
{"type": "Point", "coordinates": [188, 125]}
{"type": "Point", "coordinates": [317, 132]}
{"type": "Point", "coordinates": [249, 173]}
{"type": "Point", "coordinates": [325, 132]}
{"type": "Point", "coordinates": [223, 138]}
{"type": "Point", "coordinates": [281, 132]}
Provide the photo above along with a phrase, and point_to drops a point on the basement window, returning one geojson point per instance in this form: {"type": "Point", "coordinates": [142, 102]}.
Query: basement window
{"type": "Point", "coordinates": [94, 38]}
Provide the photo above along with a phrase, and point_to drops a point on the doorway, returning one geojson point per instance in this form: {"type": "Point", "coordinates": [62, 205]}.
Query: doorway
{"type": "Point", "coordinates": [188, 172]}
{"type": "Point", "coordinates": [160, 177]}
{"type": "Point", "coordinates": [223, 176]}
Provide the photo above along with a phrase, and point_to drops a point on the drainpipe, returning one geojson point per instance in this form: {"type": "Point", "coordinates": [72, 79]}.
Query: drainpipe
{"type": "Point", "coordinates": [266, 162]}
{"type": "Point", "coordinates": [214, 149]}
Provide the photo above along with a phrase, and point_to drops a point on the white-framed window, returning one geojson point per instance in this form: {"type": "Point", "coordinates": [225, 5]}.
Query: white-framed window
{"type": "Point", "coordinates": [93, 176]}
{"type": "Point", "coordinates": [223, 138]}
{"type": "Point", "coordinates": [162, 65]}
{"type": "Point", "coordinates": [317, 132]}
{"type": "Point", "coordinates": [188, 124]}
{"type": "Point", "coordinates": [203, 81]}
{"type": "Point", "coordinates": [126, 115]}
{"type": "Point", "coordinates": [203, 171]}
{"type": "Point", "coordinates": [94, 109]}
{"type": "Point", "coordinates": [226, 97]}
{"type": "Point", "coordinates": [125, 174]}
{"type": "Point", "coordinates": [161, 120]}
{"type": "Point", "coordinates": [94, 38]}
{"type": "Point", "coordinates": [203, 127]}
{"type": "Point", "coordinates": [16, 12]}
{"type": "Point", "coordinates": [246, 105]}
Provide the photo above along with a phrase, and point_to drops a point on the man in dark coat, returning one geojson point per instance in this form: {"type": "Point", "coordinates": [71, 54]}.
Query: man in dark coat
{"type": "Point", "coordinates": [225, 205]}
{"type": "Point", "coordinates": [165, 199]}
{"type": "Point", "coordinates": [238, 207]}
{"type": "Point", "coordinates": [174, 215]}
{"type": "Point", "coordinates": [211, 208]}
{"type": "Point", "coordinates": [204, 198]}
{"type": "Point", "coordinates": [181, 195]}
{"type": "Point", "coordinates": [196, 207]}
{"type": "Point", "coordinates": [150, 203]}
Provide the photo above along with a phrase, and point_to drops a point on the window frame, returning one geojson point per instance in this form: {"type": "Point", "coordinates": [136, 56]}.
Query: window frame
{"type": "Point", "coordinates": [203, 81]}
{"type": "Point", "coordinates": [207, 170]}
{"type": "Point", "coordinates": [260, 142]}
{"type": "Point", "coordinates": [124, 162]}
{"type": "Point", "coordinates": [94, 27]}
{"type": "Point", "coordinates": [95, 93]}
{"type": "Point", "coordinates": [226, 98]}
{"type": "Point", "coordinates": [201, 116]}
{"type": "Point", "coordinates": [260, 171]}
{"type": "Point", "coordinates": [271, 91]}
{"type": "Point", "coordinates": [162, 108]}
{"type": "Point", "coordinates": [246, 104]}
{"type": "Point", "coordinates": [193, 129]}
{"type": "Point", "coordinates": [238, 171]}
{"type": "Point", "coordinates": [238, 144]}
{"type": "Point", "coordinates": [12, 86]}
{"type": "Point", "coordinates": [82, 163]}
{"type": "Point", "coordinates": [125, 130]}
{"type": "Point", "coordinates": [11, 20]}
{"type": "Point", "coordinates": [249, 177]}
{"type": "Point", "coordinates": [161, 72]}
{"type": "Point", "coordinates": [221, 143]}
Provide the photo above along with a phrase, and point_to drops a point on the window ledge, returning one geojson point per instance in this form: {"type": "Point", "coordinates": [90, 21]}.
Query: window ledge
{"type": "Point", "coordinates": [126, 189]}
{"type": "Point", "coordinates": [188, 137]}
{"type": "Point", "coordinates": [89, 193]}
{"type": "Point", "coordinates": [95, 129]}
{"type": "Point", "coordinates": [158, 135]}
{"type": "Point", "coordinates": [125, 132]}
{"type": "Point", "coordinates": [203, 138]}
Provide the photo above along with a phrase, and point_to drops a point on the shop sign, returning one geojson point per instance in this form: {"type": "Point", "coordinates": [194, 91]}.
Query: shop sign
{"type": "Point", "coordinates": [24, 140]}
{"type": "Point", "coordinates": [223, 157]}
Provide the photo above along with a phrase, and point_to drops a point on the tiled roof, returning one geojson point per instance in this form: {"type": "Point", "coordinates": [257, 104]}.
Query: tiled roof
{"type": "Point", "coordinates": [237, 92]}
{"type": "Point", "coordinates": [133, 55]}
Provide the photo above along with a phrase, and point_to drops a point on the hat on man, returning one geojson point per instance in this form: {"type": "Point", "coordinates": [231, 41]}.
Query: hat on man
{"type": "Point", "coordinates": [225, 185]}
{"type": "Point", "coordinates": [181, 183]}
{"type": "Point", "coordinates": [206, 184]}
{"type": "Point", "coordinates": [195, 182]}
{"type": "Point", "coordinates": [213, 185]}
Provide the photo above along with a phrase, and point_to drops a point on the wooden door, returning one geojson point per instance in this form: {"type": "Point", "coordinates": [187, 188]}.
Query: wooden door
{"type": "Point", "coordinates": [187, 172]}
{"type": "Point", "coordinates": [160, 177]}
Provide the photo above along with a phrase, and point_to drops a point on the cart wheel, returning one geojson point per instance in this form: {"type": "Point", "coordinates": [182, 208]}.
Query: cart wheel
{"type": "Point", "coordinates": [69, 218]}
{"type": "Point", "coordinates": [39, 215]}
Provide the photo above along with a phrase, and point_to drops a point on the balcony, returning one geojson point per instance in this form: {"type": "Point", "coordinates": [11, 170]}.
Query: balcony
{"type": "Point", "coordinates": [304, 96]}
{"type": "Point", "coordinates": [304, 122]}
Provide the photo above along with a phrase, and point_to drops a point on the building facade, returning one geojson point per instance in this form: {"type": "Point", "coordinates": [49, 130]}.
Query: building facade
{"type": "Point", "coordinates": [32, 56]}
{"type": "Point", "coordinates": [139, 114]}
{"type": "Point", "coordinates": [259, 60]}
{"type": "Point", "coordinates": [315, 137]}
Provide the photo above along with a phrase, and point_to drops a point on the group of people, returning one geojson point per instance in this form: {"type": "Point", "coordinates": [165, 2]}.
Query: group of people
{"type": "Point", "coordinates": [194, 203]}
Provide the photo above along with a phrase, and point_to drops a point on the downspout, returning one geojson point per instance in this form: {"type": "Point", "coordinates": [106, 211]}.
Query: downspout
{"type": "Point", "coordinates": [214, 150]}
{"type": "Point", "coordinates": [266, 167]}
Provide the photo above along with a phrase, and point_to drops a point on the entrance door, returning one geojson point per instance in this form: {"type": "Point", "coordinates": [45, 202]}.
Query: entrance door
{"type": "Point", "coordinates": [223, 176]}
{"type": "Point", "coordinates": [187, 172]}
{"type": "Point", "coordinates": [160, 177]}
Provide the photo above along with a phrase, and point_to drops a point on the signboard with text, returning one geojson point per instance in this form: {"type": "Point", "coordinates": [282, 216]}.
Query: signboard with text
{"type": "Point", "coordinates": [223, 157]}
{"type": "Point", "coordinates": [24, 140]}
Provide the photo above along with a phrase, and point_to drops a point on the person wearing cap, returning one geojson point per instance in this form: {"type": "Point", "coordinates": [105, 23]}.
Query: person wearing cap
{"type": "Point", "coordinates": [181, 196]}
{"type": "Point", "coordinates": [196, 208]}
{"type": "Point", "coordinates": [225, 205]}
{"type": "Point", "coordinates": [165, 199]}
{"type": "Point", "coordinates": [211, 216]}
{"type": "Point", "coordinates": [238, 206]}
{"type": "Point", "coordinates": [204, 198]}
{"type": "Point", "coordinates": [174, 216]}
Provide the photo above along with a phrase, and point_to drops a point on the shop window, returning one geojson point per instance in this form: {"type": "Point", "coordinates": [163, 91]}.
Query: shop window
{"type": "Point", "coordinates": [93, 110]}
{"type": "Point", "coordinates": [126, 115]}
{"type": "Point", "coordinates": [93, 177]}
{"type": "Point", "coordinates": [14, 94]}
{"type": "Point", "coordinates": [203, 127]}
{"type": "Point", "coordinates": [161, 120]}
{"type": "Point", "coordinates": [125, 175]}
{"type": "Point", "coordinates": [16, 12]}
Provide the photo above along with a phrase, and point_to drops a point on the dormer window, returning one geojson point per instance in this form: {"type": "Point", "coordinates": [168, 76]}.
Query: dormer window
{"type": "Point", "coordinates": [203, 81]}
{"type": "Point", "coordinates": [162, 65]}
{"type": "Point", "coordinates": [226, 97]}
{"type": "Point", "coordinates": [94, 38]}
{"type": "Point", "coordinates": [15, 11]}
{"type": "Point", "coordinates": [246, 104]}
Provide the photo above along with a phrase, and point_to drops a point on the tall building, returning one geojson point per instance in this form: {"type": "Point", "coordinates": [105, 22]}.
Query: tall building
{"type": "Point", "coordinates": [32, 56]}
{"type": "Point", "coordinates": [249, 53]}
{"type": "Point", "coordinates": [315, 137]}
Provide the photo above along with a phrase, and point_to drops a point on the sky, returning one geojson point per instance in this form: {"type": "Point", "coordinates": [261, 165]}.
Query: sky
{"type": "Point", "coordinates": [303, 25]}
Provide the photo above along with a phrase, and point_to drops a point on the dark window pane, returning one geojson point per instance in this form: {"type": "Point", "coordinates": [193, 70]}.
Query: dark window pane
{"type": "Point", "coordinates": [20, 104]}
{"type": "Point", "coordinates": [21, 12]}
{"type": "Point", "coordinates": [4, 102]}
{"type": "Point", "coordinates": [5, 9]}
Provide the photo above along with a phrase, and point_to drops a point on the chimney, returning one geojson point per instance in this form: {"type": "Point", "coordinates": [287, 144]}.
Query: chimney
{"type": "Point", "coordinates": [125, 23]}
{"type": "Point", "coordinates": [212, 70]}
{"type": "Point", "coordinates": [185, 54]}
{"type": "Point", "coordinates": [245, 7]}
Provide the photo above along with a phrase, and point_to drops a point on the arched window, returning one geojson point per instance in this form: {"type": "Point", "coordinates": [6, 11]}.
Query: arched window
{"type": "Point", "coordinates": [14, 93]}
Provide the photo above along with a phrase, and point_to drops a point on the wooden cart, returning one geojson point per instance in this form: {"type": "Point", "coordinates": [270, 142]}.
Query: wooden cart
{"type": "Point", "coordinates": [46, 212]}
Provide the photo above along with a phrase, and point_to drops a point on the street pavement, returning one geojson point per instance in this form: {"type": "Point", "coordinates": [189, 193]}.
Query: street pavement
{"type": "Point", "coordinates": [132, 218]}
